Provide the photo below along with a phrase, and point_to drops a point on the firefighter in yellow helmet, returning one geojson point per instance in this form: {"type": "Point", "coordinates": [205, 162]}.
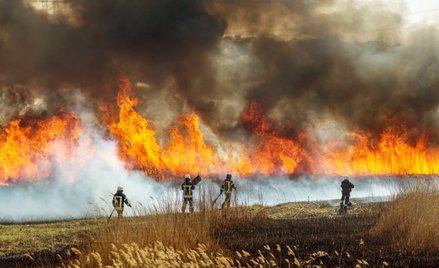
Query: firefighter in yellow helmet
{"type": "Point", "coordinates": [187, 188]}
{"type": "Point", "coordinates": [227, 188]}
{"type": "Point", "coordinates": [119, 200]}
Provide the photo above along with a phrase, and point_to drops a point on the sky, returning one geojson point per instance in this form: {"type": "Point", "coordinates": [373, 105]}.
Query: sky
{"type": "Point", "coordinates": [422, 11]}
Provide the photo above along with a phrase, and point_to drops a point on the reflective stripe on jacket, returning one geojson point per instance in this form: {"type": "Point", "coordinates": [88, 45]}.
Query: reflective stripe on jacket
{"type": "Point", "coordinates": [187, 190]}
{"type": "Point", "coordinates": [227, 187]}
{"type": "Point", "coordinates": [119, 199]}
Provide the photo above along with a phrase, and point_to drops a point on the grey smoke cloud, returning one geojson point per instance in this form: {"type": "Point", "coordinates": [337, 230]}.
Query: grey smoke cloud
{"type": "Point", "coordinates": [148, 40]}
{"type": "Point", "coordinates": [352, 60]}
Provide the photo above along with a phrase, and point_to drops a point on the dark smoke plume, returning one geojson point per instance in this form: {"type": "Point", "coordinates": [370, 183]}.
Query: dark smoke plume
{"type": "Point", "coordinates": [355, 63]}
{"type": "Point", "coordinates": [149, 40]}
{"type": "Point", "coordinates": [351, 61]}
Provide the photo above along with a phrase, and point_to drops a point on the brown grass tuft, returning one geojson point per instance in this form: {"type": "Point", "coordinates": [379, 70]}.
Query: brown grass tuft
{"type": "Point", "coordinates": [411, 220]}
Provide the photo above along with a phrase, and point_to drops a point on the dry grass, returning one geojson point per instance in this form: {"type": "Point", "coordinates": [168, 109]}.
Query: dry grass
{"type": "Point", "coordinates": [168, 238]}
{"type": "Point", "coordinates": [174, 229]}
{"type": "Point", "coordinates": [177, 233]}
{"type": "Point", "coordinates": [186, 240]}
{"type": "Point", "coordinates": [411, 220]}
{"type": "Point", "coordinates": [172, 239]}
{"type": "Point", "coordinates": [159, 255]}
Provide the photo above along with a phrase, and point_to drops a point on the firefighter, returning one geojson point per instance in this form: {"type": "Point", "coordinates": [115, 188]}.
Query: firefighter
{"type": "Point", "coordinates": [187, 188]}
{"type": "Point", "coordinates": [227, 188]}
{"type": "Point", "coordinates": [346, 188]}
{"type": "Point", "coordinates": [119, 200]}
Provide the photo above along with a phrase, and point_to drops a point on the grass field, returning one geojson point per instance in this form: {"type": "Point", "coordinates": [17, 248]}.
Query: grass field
{"type": "Point", "coordinates": [301, 233]}
{"type": "Point", "coordinates": [27, 238]}
{"type": "Point", "coordinates": [16, 239]}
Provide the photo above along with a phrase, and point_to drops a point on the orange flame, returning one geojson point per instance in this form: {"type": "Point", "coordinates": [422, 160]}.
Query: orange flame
{"type": "Point", "coordinates": [137, 143]}
{"type": "Point", "coordinates": [138, 146]}
{"type": "Point", "coordinates": [188, 152]}
{"type": "Point", "coordinates": [265, 151]}
{"type": "Point", "coordinates": [29, 148]}
{"type": "Point", "coordinates": [272, 154]}
{"type": "Point", "coordinates": [392, 154]}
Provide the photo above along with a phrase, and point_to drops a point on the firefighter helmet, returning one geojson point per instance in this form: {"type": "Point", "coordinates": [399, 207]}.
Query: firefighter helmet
{"type": "Point", "coordinates": [187, 178]}
{"type": "Point", "coordinates": [120, 189]}
{"type": "Point", "coordinates": [228, 177]}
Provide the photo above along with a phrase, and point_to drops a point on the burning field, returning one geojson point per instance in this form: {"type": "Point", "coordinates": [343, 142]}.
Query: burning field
{"type": "Point", "coordinates": [289, 97]}
{"type": "Point", "coordinates": [31, 147]}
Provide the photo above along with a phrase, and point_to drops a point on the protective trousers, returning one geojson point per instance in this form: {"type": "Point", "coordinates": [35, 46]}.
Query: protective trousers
{"type": "Point", "coordinates": [191, 205]}
{"type": "Point", "coordinates": [345, 197]}
{"type": "Point", "coordinates": [226, 202]}
{"type": "Point", "coordinates": [119, 211]}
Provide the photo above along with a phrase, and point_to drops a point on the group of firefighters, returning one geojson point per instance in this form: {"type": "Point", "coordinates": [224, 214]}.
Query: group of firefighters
{"type": "Point", "coordinates": [188, 186]}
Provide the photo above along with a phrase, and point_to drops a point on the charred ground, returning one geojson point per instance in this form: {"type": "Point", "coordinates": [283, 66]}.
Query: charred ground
{"type": "Point", "coordinates": [342, 241]}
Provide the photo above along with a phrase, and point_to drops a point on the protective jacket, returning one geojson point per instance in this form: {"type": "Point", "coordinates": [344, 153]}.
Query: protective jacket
{"type": "Point", "coordinates": [346, 186]}
{"type": "Point", "coordinates": [187, 188]}
{"type": "Point", "coordinates": [119, 199]}
{"type": "Point", "coordinates": [227, 186]}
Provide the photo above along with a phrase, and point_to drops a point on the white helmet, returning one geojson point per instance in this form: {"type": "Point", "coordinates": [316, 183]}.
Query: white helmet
{"type": "Point", "coordinates": [119, 188]}
{"type": "Point", "coordinates": [187, 176]}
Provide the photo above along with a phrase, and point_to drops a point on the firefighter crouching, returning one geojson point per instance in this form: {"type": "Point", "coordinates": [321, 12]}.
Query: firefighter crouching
{"type": "Point", "coordinates": [346, 188]}
{"type": "Point", "coordinates": [119, 200]}
{"type": "Point", "coordinates": [227, 188]}
{"type": "Point", "coordinates": [187, 188]}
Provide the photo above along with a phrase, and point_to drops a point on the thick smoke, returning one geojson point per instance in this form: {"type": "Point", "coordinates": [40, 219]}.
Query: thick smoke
{"type": "Point", "coordinates": [353, 61]}
{"type": "Point", "coordinates": [112, 35]}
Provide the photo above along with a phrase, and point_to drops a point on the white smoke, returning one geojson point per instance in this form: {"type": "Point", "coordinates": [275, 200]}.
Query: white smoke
{"type": "Point", "coordinates": [89, 194]}
{"type": "Point", "coordinates": [272, 191]}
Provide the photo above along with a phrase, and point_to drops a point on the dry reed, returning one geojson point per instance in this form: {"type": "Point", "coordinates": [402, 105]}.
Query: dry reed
{"type": "Point", "coordinates": [411, 219]}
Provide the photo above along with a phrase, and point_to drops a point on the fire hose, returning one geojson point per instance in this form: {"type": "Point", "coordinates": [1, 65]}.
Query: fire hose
{"type": "Point", "coordinates": [111, 214]}
{"type": "Point", "coordinates": [214, 201]}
